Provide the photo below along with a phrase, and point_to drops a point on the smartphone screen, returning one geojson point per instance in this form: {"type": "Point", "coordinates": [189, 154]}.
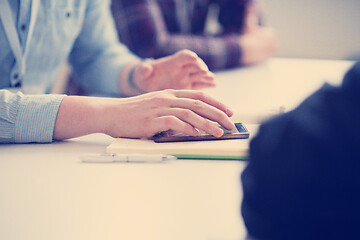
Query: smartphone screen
{"type": "Point", "coordinates": [238, 132]}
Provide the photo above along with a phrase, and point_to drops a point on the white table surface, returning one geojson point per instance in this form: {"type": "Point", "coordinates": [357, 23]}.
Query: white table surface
{"type": "Point", "coordinates": [261, 90]}
{"type": "Point", "coordinates": [47, 193]}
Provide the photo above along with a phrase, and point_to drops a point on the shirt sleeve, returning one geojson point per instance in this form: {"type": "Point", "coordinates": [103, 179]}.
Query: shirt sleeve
{"type": "Point", "coordinates": [304, 166]}
{"type": "Point", "coordinates": [27, 118]}
{"type": "Point", "coordinates": [97, 56]}
{"type": "Point", "coordinates": [137, 20]}
{"type": "Point", "coordinates": [232, 15]}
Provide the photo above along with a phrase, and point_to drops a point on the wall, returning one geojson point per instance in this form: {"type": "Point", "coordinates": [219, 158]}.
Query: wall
{"type": "Point", "coordinates": [315, 28]}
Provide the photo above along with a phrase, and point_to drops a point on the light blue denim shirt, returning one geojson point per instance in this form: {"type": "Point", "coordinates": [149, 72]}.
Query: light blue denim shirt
{"type": "Point", "coordinates": [80, 31]}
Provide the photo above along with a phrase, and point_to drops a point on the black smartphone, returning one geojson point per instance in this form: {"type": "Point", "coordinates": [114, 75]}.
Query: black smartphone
{"type": "Point", "coordinates": [238, 132]}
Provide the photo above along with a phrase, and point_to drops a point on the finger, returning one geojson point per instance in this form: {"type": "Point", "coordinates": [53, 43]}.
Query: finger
{"type": "Point", "coordinates": [197, 78]}
{"type": "Point", "coordinates": [194, 120]}
{"type": "Point", "coordinates": [205, 78]}
{"type": "Point", "coordinates": [199, 82]}
{"type": "Point", "coordinates": [144, 70]}
{"type": "Point", "coordinates": [164, 123]}
{"type": "Point", "coordinates": [201, 64]}
{"type": "Point", "coordinates": [208, 76]}
{"type": "Point", "coordinates": [194, 68]}
{"type": "Point", "coordinates": [204, 110]}
{"type": "Point", "coordinates": [198, 95]}
{"type": "Point", "coordinates": [199, 86]}
{"type": "Point", "coordinates": [185, 57]}
{"type": "Point", "coordinates": [197, 64]}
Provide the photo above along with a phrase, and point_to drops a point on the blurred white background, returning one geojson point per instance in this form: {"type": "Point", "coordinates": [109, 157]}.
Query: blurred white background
{"type": "Point", "coordinates": [326, 29]}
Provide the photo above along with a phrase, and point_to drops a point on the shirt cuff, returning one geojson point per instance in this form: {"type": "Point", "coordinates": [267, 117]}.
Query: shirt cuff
{"type": "Point", "coordinates": [36, 117]}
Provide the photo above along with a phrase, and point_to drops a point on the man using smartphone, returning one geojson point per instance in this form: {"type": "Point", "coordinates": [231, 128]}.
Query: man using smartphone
{"type": "Point", "coordinates": [36, 37]}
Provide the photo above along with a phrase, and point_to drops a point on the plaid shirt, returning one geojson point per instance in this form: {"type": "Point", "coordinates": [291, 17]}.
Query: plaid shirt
{"type": "Point", "coordinates": [158, 28]}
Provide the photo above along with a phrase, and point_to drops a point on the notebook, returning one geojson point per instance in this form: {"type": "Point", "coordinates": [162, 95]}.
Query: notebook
{"type": "Point", "coordinates": [231, 149]}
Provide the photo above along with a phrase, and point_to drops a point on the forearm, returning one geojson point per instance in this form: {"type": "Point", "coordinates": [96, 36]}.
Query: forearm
{"type": "Point", "coordinates": [78, 116]}
{"type": "Point", "coordinates": [141, 116]}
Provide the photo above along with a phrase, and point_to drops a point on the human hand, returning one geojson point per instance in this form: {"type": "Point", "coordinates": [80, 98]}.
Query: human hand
{"type": "Point", "coordinates": [182, 70]}
{"type": "Point", "coordinates": [184, 111]}
{"type": "Point", "coordinates": [258, 45]}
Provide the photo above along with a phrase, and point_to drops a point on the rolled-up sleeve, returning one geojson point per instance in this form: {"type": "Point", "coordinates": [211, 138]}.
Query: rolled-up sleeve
{"type": "Point", "coordinates": [27, 118]}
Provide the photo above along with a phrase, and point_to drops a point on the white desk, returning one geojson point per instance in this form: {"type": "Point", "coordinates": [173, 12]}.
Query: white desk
{"type": "Point", "coordinates": [262, 90]}
{"type": "Point", "coordinates": [46, 193]}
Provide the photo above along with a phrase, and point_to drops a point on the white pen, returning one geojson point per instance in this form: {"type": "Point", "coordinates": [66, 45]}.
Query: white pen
{"type": "Point", "coordinates": [126, 158]}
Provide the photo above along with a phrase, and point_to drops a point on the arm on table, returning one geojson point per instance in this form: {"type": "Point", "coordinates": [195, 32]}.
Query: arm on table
{"type": "Point", "coordinates": [142, 116]}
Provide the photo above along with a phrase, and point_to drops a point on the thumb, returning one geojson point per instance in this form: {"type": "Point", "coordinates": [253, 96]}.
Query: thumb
{"type": "Point", "coordinates": [144, 70]}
